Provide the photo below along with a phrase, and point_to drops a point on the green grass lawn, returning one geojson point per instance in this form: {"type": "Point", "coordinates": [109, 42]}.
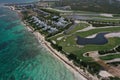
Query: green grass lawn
{"type": "Point", "coordinates": [79, 27]}
{"type": "Point", "coordinates": [94, 31]}
{"type": "Point", "coordinates": [110, 57]}
{"type": "Point", "coordinates": [111, 20]}
{"type": "Point", "coordinates": [74, 49]}
{"type": "Point", "coordinates": [68, 42]}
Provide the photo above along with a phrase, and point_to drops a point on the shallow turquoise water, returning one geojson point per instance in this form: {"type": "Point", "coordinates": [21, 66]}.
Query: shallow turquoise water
{"type": "Point", "coordinates": [22, 57]}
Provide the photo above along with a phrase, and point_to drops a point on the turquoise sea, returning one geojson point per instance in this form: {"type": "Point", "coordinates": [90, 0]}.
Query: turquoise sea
{"type": "Point", "coordinates": [21, 56]}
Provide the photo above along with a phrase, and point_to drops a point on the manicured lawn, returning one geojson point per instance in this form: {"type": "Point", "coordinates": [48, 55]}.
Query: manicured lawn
{"type": "Point", "coordinates": [73, 48]}
{"type": "Point", "coordinates": [79, 27]}
{"type": "Point", "coordinates": [110, 57]}
{"type": "Point", "coordinates": [55, 37]}
{"type": "Point", "coordinates": [111, 20]}
{"type": "Point", "coordinates": [94, 31]}
{"type": "Point", "coordinates": [69, 45]}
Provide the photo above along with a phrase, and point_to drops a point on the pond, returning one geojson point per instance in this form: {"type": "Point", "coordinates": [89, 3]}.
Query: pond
{"type": "Point", "coordinates": [99, 39]}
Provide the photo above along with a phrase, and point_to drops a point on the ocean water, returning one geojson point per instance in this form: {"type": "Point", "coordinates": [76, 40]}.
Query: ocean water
{"type": "Point", "coordinates": [22, 57]}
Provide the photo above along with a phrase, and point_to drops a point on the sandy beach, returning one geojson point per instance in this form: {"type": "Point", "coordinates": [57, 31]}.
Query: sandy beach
{"type": "Point", "coordinates": [78, 73]}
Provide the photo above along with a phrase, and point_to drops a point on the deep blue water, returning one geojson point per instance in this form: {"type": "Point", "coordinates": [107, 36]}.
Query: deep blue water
{"type": "Point", "coordinates": [98, 40]}
{"type": "Point", "coordinates": [21, 56]}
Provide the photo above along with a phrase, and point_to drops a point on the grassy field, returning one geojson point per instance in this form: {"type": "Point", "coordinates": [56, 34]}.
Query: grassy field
{"type": "Point", "coordinates": [75, 49]}
{"type": "Point", "coordinates": [79, 27]}
{"type": "Point", "coordinates": [68, 42]}
{"type": "Point", "coordinates": [106, 20]}
{"type": "Point", "coordinates": [94, 31]}
{"type": "Point", "coordinates": [110, 57]}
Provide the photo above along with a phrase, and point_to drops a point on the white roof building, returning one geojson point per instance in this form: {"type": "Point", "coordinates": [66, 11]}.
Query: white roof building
{"type": "Point", "coordinates": [59, 24]}
{"type": "Point", "coordinates": [44, 29]}
{"type": "Point", "coordinates": [52, 30]}
{"type": "Point", "coordinates": [54, 17]}
{"type": "Point", "coordinates": [62, 20]}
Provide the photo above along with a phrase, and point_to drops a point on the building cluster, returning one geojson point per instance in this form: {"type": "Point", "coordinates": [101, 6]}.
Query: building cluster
{"type": "Point", "coordinates": [53, 28]}
{"type": "Point", "coordinates": [24, 7]}
{"type": "Point", "coordinates": [43, 25]}
{"type": "Point", "coordinates": [60, 22]}
{"type": "Point", "coordinates": [48, 22]}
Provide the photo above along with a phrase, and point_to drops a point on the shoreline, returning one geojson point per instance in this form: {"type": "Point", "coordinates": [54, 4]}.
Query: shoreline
{"type": "Point", "coordinates": [78, 73]}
